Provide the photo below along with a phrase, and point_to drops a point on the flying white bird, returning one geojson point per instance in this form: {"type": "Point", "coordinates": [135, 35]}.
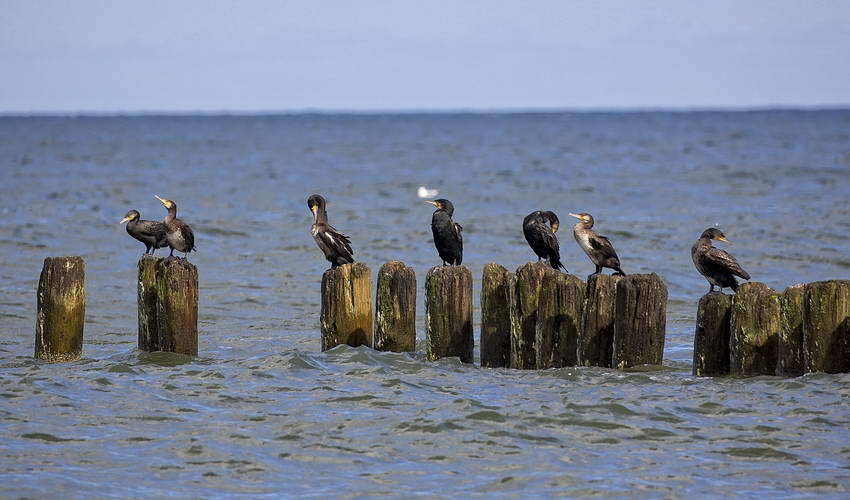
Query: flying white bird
{"type": "Point", "coordinates": [424, 192]}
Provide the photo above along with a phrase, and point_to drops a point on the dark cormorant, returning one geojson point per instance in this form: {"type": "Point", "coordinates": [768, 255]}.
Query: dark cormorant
{"type": "Point", "coordinates": [598, 248]}
{"type": "Point", "coordinates": [149, 232]}
{"type": "Point", "coordinates": [539, 228]}
{"type": "Point", "coordinates": [179, 235]}
{"type": "Point", "coordinates": [335, 245]}
{"type": "Point", "coordinates": [717, 265]}
{"type": "Point", "coordinates": [448, 235]}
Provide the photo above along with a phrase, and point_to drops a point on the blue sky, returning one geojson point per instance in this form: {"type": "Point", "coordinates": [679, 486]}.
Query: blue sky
{"type": "Point", "coordinates": [190, 55]}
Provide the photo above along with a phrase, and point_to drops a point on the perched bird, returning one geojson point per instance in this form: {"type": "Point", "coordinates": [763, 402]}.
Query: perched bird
{"type": "Point", "coordinates": [539, 228]}
{"type": "Point", "coordinates": [717, 265]}
{"type": "Point", "coordinates": [598, 248]}
{"type": "Point", "coordinates": [149, 232]}
{"type": "Point", "coordinates": [178, 234]}
{"type": "Point", "coordinates": [335, 245]}
{"type": "Point", "coordinates": [448, 235]}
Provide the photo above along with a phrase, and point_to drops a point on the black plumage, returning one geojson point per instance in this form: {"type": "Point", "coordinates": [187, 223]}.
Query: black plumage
{"type": "Point", "coordinates": [718, 266]}
{"type": "Point", "coordinates": [335, 245]}
{"type": "Point", "coordinates": [598, 248]}
{"type": "Point", "coordinates": [178, 234]}
{"type": "Point", "coordinates": [448, 235]}
{"type": "Point", "coordinates": [149, 232]}
{"type": "Point", "coordinates": [539, 228]}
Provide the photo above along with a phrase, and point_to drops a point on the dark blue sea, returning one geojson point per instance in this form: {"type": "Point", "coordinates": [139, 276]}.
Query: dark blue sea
{"type": "Point", "coordinates": [263, 413]}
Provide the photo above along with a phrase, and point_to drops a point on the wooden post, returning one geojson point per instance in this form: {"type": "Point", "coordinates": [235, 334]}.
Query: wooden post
{"type": "Point", "coordinates": [755, 330]}
{"type": "Point", "coordinates": [789, 361]}
{"type": "Point", "coordinates": [146, 291]}
{"type": "Point", "coordinates": [61, 309]}
{"type": "Point", "coordinates": [559, 312]}
{"type": "Point", "coordinates": [596, 342]}
{"type": "Point", "coordinates": [826, 326]}
{"type": "Point", "coordinates": [711, 338]}
{"type": "Point", "coordinates": [495, 316]}
{"type": "Point", "coordinates": [526, 293]}
{"type": "Point", "coordinates": [395, 308]}
{"type": "Point", "coordinates": [448, 313]}
{"type": "Point", "coordinates": [177, 306]}
{"type": "Point", "coordinates": [640, 321]}
{"type": "Point", "coordinates": [346, 315]}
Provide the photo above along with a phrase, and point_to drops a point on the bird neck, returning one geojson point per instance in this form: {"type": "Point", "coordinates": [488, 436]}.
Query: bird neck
{"type": "Point", "coordinates": [132, 224]}
{"type": "Point", "coordinates": [321, 216]}
{"type": "Point", "coordinates": [441, 215]}
{"type": "Point", "coordinates": [704, 240]}
{"type": "Point", "coordinates": [582, 227]}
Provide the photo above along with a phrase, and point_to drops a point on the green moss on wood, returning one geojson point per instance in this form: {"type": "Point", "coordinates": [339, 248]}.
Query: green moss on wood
{"type": "Point", "coordinates": [448, 313]}
{"type": "Point", "coordinates": [395, 308]}
{"type": "Point", "coordinates": [495, 316]}
{"type": "Point", "coordinates": [61, 304]}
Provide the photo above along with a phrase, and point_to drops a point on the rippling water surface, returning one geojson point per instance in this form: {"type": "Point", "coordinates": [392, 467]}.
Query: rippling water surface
{"type": "Point", "coordinates": [262, 412]}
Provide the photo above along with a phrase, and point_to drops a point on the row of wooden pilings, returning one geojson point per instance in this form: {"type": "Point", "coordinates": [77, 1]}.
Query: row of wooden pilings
{"type": "Point", "coordinates": [535, 318]}
{"type": "Point", "coordinates": [167, 301]}
{"type": "Point", "coordinates": [758, 331]}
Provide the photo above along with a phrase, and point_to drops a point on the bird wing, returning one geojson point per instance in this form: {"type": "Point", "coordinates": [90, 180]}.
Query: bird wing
{"type": "Point", "coordinates": [459, 233]}
{"type": "Point", "coordinates": [603, 245]}
{"type": "Point", "coordinates": [188, 236]}
{"type": "Point", "coordinates": [721, 260]}
{"type": "Point", "coordinates": [340, 242]}
{"type": "Point", "coordinates": [151, 228]}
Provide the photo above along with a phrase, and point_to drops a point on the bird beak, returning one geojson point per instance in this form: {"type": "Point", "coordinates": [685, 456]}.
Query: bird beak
{"type": "Point", "coordinates": [577, 216]}
{"type": "Point", "coordinates": [160, 199]}
{"type": "Point", "coordinates": [722, 238]}
{"type": "Point", "coordinates": [315, 210]}
{"type": "Point", "coordinates": [555, 227]}
{"type": "Point", "coordinates": [125, 219]}
{"type": "Point", "coordinates": [433, 203]}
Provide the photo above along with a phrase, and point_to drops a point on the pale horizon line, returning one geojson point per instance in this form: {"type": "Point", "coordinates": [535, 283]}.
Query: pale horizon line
{"type": "Point", "coordinates": [428, 111]}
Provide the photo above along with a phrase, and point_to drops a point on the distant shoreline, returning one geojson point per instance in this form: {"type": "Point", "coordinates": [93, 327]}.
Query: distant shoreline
{"type": "Point", "coordinates": [415, 112]}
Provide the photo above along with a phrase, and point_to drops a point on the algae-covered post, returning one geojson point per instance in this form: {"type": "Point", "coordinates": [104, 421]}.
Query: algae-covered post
{"type": "Point", "coordinates": [346, 315]}
{"type": "Point", "coordinates": [526, 293]}
{"type": "Point", "coordinates": [789, 355]}
{"type": "Point", "coordinates": [640, 321]}
{"type": "Point", "coordinates": [826, 326]}
{"type": "Point", "coordinates": [395, 308]}
{"type": "Point", "coordinates": [61, 309]}
{"type": "Point", "coordinates": [558, 325]}
{"type": "Point", "coordinates": [176, 306]}
{"type": "Point", "coordinates": [147, 302]}
{"type": "Point", "coordinates": [711, 338]}
{"type": "Point", "coordinates": [596, 341]}
{"type": "Point", "coordinates": [754, 330]}
{"type": "Point", "coordinates": [495, 316]}
{"type": "Point", "coordinates": [448, 313]}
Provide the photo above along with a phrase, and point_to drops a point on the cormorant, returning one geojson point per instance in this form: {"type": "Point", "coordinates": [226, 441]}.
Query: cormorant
{"type": "Point", "coordinates": [598, 248]}
{"type": "Point", "coordinates": [448, 235]}
{"type": "Point", "coordinates": [335, 245]}
{"type": "Point", "coordinates": [717, 265]}
{"type": "Point", "coordinates": [179, 235]}
{"type": "Point", "coordinates": [149, 232]}
{"type": "Point", "coordinates": [539, 228]}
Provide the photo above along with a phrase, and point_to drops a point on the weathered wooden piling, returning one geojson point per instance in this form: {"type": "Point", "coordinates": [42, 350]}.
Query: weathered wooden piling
{"type": "Point", "coordinates": [61, 309]}
{"type": "Point", "coordinates": [826, 326]}
{"type": "Point", "coordinates": [495, 316]}
{"type": "Point", "coordinates": [558, 327]}
{"type": "Point", "coordinates": [711, 338]}
{"type": "Point", "coordinates": [448, 313]}
{"type": "Point", "coordinates": [346, 315]}
{"type": "Point", "coordinates": [176, 306]}
{"type": "Point", "coordinates": [789, 354]}
{"type": "Point", "coordinates": [640, 321]}
{"type": "Point", "coordinates": [395, 308]}
{"type": "Point", "coordinates": [754, 330]}
{"type": "Point", "coordinates": [526, 293]}
{"type": "Point", "coordinates": [147, 303]}
{"type": "Point", "coordinates": [596, 342]}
